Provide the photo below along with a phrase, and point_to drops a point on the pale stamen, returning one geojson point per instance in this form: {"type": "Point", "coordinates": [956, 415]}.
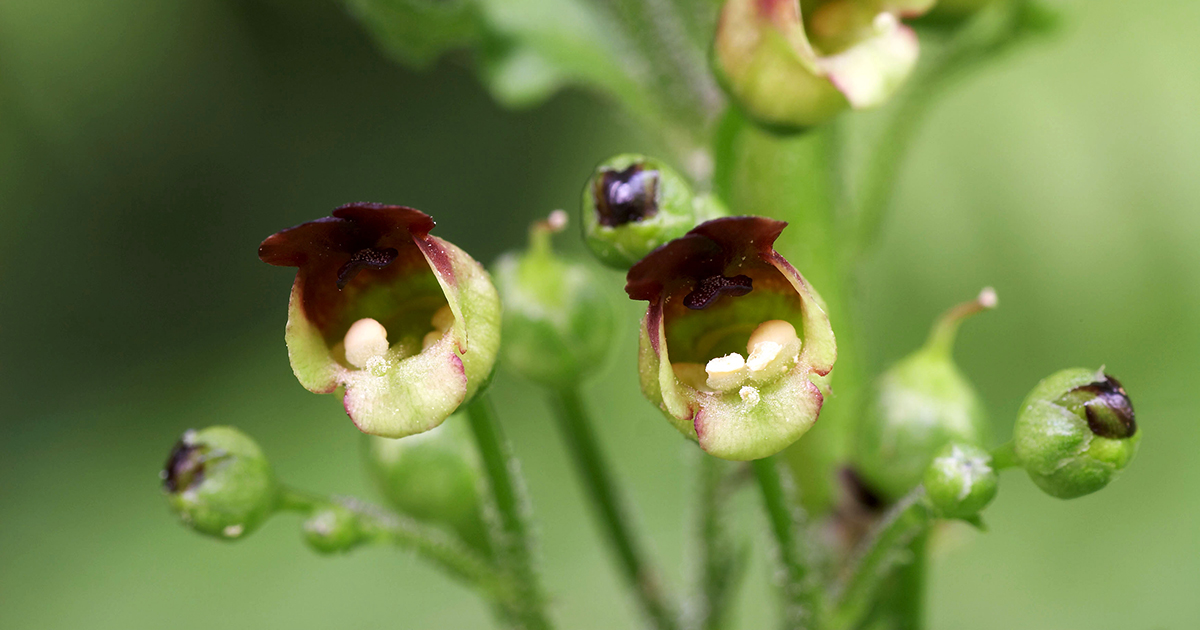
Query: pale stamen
{"type": "Point", "coordinates": [773, 349]}
{"type": "Point", "coordinates": [442, 320]}
{"type": "Point", "coordinates": [366, 340]}
{"type": "Point", "coordinates": [727, 372]}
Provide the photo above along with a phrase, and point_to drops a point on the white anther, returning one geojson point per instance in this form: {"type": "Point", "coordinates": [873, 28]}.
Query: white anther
{"type": "Point", "coordinates": [773, 349]}
{"type": "Point", "coordinates": [431, 338]}
{"type": "Point", "coordinates": [367, 338]}
{"type": "Point", "coordinates": [776, 330]}
{"type": "Point", "coordinates": [749, 395]}
{"type": "Point", "coordinates": [762, 355]}
{"type": "Point", "coordinates": [692, 375]}
{"type": "Point", "coordinates": [727, 372]}
{"type": "Point", "coordinates": [443, 319]}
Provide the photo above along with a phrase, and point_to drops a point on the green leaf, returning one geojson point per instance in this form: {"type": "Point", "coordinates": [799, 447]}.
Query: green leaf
{"type": "Point", "coordinates": [526, 50]}
{"type": "Point", "coordinates": [417, 32]}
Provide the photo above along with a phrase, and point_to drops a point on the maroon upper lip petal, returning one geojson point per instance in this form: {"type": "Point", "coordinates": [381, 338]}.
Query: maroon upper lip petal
{"type": "Point", "coordinates": [352, 228]}
{"type": "Point", "coordinates": [332, 252]}
{"type": "Point", "coordinates": [699, 259]}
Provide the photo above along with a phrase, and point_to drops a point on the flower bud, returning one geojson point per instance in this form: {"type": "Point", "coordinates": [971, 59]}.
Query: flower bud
{"type": "Point", "coordinates": [404, 326]}
{"type": "Point", "coordinates": [921, 404]}
{"type": "Point", "coordinates": [631, 205]}
{"type": "Point", "coordinates": [219, 483]}
{"type": "Point", "coordinates": [720, 291]}
{"type": "Point", "coordinates": [960, 481]}
{"type": "Point", "coordinates": [794, 70]}
{"type": "Point", "coordinates": [433, 477]}
{"type": "Point", "coordinates": [333, 529]}
{"type": "Point", "coordinates": [558, 323]}
{"type": "Point", "coordinates": [1076, 430]}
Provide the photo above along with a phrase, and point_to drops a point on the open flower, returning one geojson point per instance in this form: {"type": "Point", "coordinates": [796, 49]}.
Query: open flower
{"type": "Point", "coordinates": [720, 291]}
{"type": "Point", "coordinates": [795, 67]}
{"type": "Point", "coordinates": [404, 324]}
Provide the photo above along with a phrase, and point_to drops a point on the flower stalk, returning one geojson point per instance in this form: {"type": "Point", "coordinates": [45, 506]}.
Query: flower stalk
{"type": "Point", "coordinates": [883, 550]}
{"type": "Point", "coordinates": [379, 526]}
{"type": "Point", "coordinates": [610, 508]}
{"type": "Point", "coordinates": [787, 524]}
{"type": "Point", "coordinates": [512, 537]}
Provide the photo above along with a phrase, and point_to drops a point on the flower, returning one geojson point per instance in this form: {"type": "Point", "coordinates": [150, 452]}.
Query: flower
{"type": "Point", "coordinates": [793, 67]}
{"type": "Point", "coordinates": [404, 324]}
{"type": "Point", "coordinates": [714, 293]}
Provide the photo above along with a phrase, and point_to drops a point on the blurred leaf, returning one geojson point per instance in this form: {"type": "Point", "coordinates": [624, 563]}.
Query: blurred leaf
{"type": "Point", "coordinates": [417, 32]}
{"type": "Point", "coordinates": [526, 49]}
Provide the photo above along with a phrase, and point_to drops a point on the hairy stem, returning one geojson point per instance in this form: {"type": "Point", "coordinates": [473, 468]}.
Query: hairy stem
{"type": "Point", "coordinates": [576, 427]}
{"type": "Point", "coordinates": [720, 566]}
{"type": "Point", "coordinates": [886, 547]}
{"type": "Point", "coordinates": [381, 526]}
{"type": "Point", "coordinates": [512, 539]}
{"type": "Point", "coordinates": [787, 524]}
{"type": "Point", "coordinates": [678, 65]}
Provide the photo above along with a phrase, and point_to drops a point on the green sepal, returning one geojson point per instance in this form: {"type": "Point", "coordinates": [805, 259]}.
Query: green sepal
{"type": "Point", "coordinates": [219, 483]}
{"type": "Point", "coordinates": [920, 404]}
{"type": "Point", "coordinates": [433, 477]}
{"type": "Point", "coordinates": [960, 481]}
{"type": "Point", "coordinates": [1064, 454]}
{"type": "Point", "coordinates": [632, 204]}
{"type": "Point", "coordinates": [332, 529]}
{"type": "Point", "coordinates": [558, 322]}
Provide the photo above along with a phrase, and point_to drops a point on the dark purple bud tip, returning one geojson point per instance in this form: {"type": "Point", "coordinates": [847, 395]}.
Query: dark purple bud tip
{"type": "Point", "coordinates": [368, 258]}
{"type": "Point", "coordinates": [185, 466]}
{"type": "Point", "coordinates": [626, 196]}
{"type": "Point", "coordinates": [1105, 406]}
{"type": "Point", "coordinates": [709, 289]}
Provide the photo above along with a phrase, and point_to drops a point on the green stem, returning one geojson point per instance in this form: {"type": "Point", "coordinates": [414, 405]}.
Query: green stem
{"type": "Point", "coordinates": [601, 487]}
{"type": "Point", "coordinates": [909, 610]}
{"type": "Point", "coordinates": [688, 97]}
{"type": "Point", "coordinates": [787, 520]}
{"type": "Point", "coordinates": [875, 559]}
{"type": "Point", "coordinates": [718, 557]}
{"type": "Point", "coordinates": [1005, 457]}
{"type": "Point", "coordinates": [511, 540]}
{"type": "Point", "coordinates": [383, 527]}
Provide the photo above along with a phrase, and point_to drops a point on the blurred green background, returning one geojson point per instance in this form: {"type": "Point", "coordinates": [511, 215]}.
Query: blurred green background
{"type": "Point", "coordinates": [147, 148]}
